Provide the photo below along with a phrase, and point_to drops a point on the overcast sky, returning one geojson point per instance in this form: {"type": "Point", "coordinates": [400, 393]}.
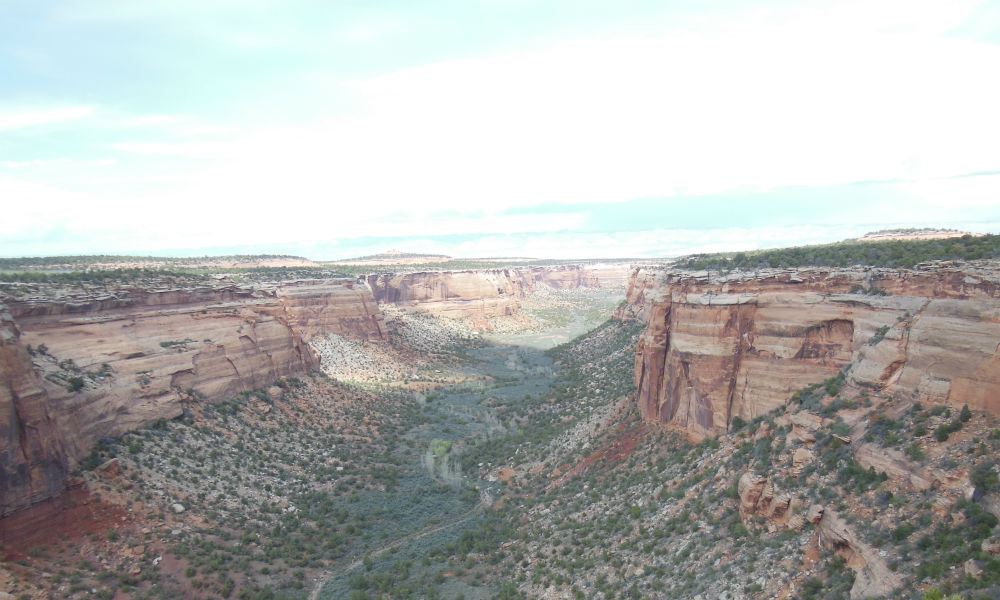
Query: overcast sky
{"type": "Point", "coordinates": [572, 128]}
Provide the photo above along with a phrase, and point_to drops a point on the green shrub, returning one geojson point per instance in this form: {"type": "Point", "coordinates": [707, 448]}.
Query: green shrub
{"type": "Point", "coordinates": [894, 253]}
{"type": "Point", "coordinates": [984, 476]}
{"type": "Point", "coordinates": [879, 335]}
{"type": "Point", "coordinates": [935, 594]}
{"type": "Point", "coordinates": [915, 452]}
{"type": "Point", "coordinates": [945, 430]}
{"type": "Point", "coordinates": [902, 532]}
{"type": "Point", "coordinates": [74, 384]}
{"type": "Point", "coordinates": [833, 384]}
{"type": "Point", "coordinates": [738, 530]}
{"type": "Point", "coordinates": [440, 447]}
{"type": "Point", "coordinates": [172, 343]}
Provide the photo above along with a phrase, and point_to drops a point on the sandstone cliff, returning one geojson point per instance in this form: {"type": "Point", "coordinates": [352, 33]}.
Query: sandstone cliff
{"type": "Point", "coordinates": [104, 365]}
{"type": "Point", "coordinates": [33, 460]}
{"type": "Point", "coordinates": [91, 362]}
{"type": "Point", "coordinates": [720, 346]}
{"type": "Point", "coordinates": [484, 294]}
{"type": "Point", "coordinates": [342, 307]}
{"type": "Point", "coordinates": [476, 295]}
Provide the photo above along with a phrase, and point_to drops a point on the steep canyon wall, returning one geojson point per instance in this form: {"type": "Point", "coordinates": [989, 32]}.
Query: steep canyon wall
{"type": "Point", "coordinates": [720, 346]}
{"type": "Point", "coordinates": [34, 462]}
{"type": "Point", "coordinates": [484, 294]}
{"type": "Point", "coordinates": [76, 366]}
{"type": "Point", "coordinates": [79, 368]}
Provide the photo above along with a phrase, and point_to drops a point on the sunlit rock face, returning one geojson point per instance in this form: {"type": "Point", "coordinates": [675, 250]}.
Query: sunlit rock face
{"type": "Point", "coordinates": [475, 295]}
{"type": "Point", "coordinates": [81, 365]}
{"type": "Point", "coordinates": [481, 295]}
{"type": "Point", "coordinates": [317, 308]}
{"type": "Point", "coordinates": [719, 346]}
{"type": "Point", "coordinates": [104, 365]}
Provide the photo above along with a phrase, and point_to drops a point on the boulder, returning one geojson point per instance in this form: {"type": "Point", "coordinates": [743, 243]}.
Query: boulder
{"type": "Point", "coordinates": [973, 568]}
{"type": "Point", "coordinates": [750, 488]}
{"type": "Point", "coordinates": [873, 578]}
{"type": "Point", "coordinates": [779, 506]}
{"type": "Point", "coordinates": [802, 457]}
{"type": "Point", "coordinates": [815, 513]}
{"type": "Point", "coordinates": [991, 545]}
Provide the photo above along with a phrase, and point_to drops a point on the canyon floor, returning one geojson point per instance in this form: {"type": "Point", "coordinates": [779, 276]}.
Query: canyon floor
{"type": "Point", "coordinates": [509, 461]}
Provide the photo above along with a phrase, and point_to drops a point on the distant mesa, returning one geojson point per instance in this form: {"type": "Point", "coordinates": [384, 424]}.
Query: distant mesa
{"type": "Point", "coordinates": [913, 233]}
{"type": "Point", "coordinates": [115, 262]}
{"type": "Point", "coordinates": [394, 257]}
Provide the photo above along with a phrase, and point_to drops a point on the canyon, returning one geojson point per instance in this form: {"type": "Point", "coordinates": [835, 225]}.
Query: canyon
{"type": "Point", "coordinates": [89, 363]}
{"type": "Point", "coordinates": [478, 295]}
{"type": "Point", "coordinates": [713, 408]}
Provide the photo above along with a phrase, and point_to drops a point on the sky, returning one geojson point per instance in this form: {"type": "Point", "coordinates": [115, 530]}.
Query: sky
{"type": "Point", "coordinates": [475, 128]}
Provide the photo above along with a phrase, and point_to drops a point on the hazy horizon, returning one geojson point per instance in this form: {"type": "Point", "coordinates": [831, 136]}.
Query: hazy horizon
{"type": "Point", "coordinates": [320, 253]}
{"type": "Point", "coordinates": [488, 128]}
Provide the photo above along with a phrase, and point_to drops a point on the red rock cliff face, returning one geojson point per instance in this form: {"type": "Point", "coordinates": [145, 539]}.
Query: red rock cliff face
{"type": "Point", "coordinates": [477, 295]}
{"type": "Point", "coordinates": [124, 359]}
{"type": "Point", "coordinates": [568, 277]}
{"type": "Point", "coordinates": [346, 308]}
{"type": "Point", "coordinates": [137, 356]}
{"type": "Point", "coordinates": [719, 347]}
{"type": "Point", "coordinates": [33, 460]}
{"type": "Point", "coordinates": [483, 294]}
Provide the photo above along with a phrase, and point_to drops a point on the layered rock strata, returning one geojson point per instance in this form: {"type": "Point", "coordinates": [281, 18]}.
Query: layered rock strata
{"type": "Point", "coordinates": [476, 295]}
{"type": "Point", "coordinates": [33, 462]}
{"type": "Point", "coordinates": [76, 369]}
{"type": "Point", "coordinates": [79, 365]}
{"type": "Point", "coordinates": [873, 577]}
{"type": "Point", "coordinates": [721, 346]}
{"type": "Point", "coordinates": [484, 294]}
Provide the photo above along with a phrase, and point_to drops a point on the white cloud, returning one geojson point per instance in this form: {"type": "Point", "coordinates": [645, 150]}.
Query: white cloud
{"type": "Point", "coordinates": [981, 191]}
{"type": "Point", "coordinates": [197, 130]}
{"type": "Point", "coordinates": [190, 150]}
{"type": "Point", "coordinates": [369, 31]}
{"type": "Point", "coordinates": [18, 119]}
{"type": "Point", "coordinates": [808, 98]}
{"type": "Point", "coordinates": [21, 164]}
{"type": "Point", "coordinates": [182, 125]}
{"type": "Point", "coordinates": [151, 120]}
{"type": "Point", "coordinates": [838, 93]}
{"type": "Point", "coordinates": [33, 207]}
{"type": "Point", "coordinates": [56, 163]}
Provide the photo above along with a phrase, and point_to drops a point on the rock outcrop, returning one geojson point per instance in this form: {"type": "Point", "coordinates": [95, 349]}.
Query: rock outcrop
{"type": "Point", "coordinates": [79, 364]}
{"type": "Point", "coordinates": [317, 308]}
{"type": "Point", "coordinates": [480, 295]}
{"type": "Point", "coordinates": [873, 578]}
{"type": "Point", "coordinates": [33, 461]}
{"type": "Point", "coordinates": [720, 346]}
{"type": "Point", "coordinates": [103, 365]}
{"type": "Point", "coordinates": [475, 295]}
